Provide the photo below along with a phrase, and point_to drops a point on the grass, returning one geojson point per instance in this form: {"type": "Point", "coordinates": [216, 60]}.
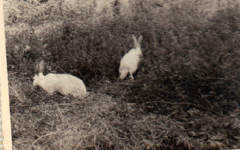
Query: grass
{"type": "Point", "coordinates": [185, 94]}
{"type": "Point", "coordinates": [101, 122]}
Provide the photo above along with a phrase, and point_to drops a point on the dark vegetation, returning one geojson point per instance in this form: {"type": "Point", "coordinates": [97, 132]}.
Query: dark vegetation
{"type": "Point", "coordinates": [186, 94]}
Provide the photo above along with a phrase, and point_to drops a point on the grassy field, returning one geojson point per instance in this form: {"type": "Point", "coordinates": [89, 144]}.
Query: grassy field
{"type": "Point", "coordinates": [186, 93]}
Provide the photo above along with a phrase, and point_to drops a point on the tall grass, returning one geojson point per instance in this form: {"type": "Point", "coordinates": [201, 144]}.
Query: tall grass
{"type": "Point", "coordinates": [190, 67]}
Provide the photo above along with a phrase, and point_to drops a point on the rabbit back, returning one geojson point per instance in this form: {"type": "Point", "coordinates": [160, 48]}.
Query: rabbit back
{"type": "Point", "coordinates": [130, 61]}
{"type": "Point", "coordinates": [64, 84]}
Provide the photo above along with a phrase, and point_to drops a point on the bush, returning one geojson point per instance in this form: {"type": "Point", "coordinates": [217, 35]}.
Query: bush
{"type": "Point", "coordinates": [194, 60]}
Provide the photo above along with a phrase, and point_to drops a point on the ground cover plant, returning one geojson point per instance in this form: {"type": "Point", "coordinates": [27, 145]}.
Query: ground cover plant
{"type": "Point", "coordinates": [185, 94]}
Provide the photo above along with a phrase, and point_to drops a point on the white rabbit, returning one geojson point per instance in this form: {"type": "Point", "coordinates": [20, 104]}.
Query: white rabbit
{"type": "Point", "coordinates": [129, 63]}
{"type": "Point", "coordinates": [62, 83]}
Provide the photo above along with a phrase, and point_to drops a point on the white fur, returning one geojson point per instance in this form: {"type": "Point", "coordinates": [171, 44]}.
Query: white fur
{"type": "Point", "coordinates": [62, 83]}
{"type": "Point", "coordinates": [129, 63]}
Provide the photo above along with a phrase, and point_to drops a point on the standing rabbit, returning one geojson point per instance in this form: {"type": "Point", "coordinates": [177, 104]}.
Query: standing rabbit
{"type": "Point", "coordinates": [62, 83]}
{"type": "Point", "coordinates": [129, 63]}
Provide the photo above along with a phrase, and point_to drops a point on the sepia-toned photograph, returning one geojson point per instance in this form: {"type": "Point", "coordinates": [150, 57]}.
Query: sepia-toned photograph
{"type": "Point", "coordinates": [123, 74]}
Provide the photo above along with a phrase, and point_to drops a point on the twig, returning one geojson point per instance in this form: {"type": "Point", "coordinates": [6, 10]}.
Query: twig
{"type": "Point", "coordinates": [40, 138]}
{"type": "Point", "coordinates": [183, 103]}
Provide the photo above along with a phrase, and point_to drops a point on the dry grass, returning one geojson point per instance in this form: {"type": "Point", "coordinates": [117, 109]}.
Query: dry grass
{"type": "Point", "coordinates": [103, 122]}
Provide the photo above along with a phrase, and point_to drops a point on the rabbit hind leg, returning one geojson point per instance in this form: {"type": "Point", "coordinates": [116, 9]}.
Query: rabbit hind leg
{"type": "Point", "coordinates": [131, 76]}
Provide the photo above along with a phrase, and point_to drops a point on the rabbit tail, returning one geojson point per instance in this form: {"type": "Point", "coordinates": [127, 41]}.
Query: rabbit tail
{"type": "Point", "coordinates": [123, 74]}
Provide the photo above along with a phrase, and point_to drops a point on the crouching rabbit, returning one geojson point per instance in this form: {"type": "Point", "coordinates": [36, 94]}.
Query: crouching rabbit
{"type": "Point", "coordinates": [61, 83]}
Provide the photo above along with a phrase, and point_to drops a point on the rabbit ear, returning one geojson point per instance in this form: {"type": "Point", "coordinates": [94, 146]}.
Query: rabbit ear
{"type": "Point", "coordinates": [135, 41]}
{"type": "Point", "coordinates": [36, 68]}
{"type": "Point", "coordinates": [41, 66]}
{"type": "Point", "coordinates": [140, 40]}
